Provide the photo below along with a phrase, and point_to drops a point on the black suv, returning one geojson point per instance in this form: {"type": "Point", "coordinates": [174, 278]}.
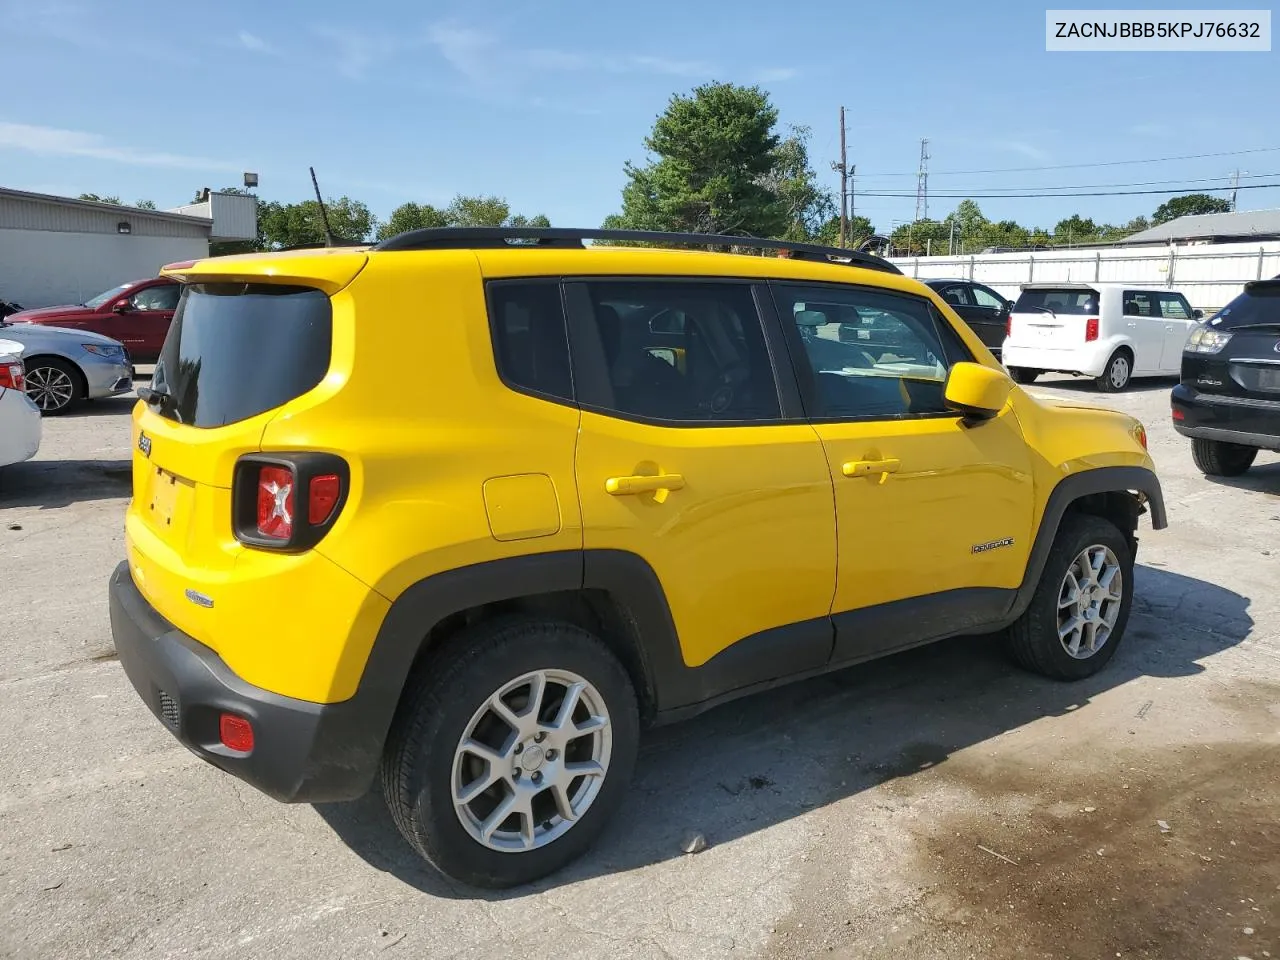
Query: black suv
{"type": "Point", "coordinates": [983, 309]}
{"type": "Point", "coordinates": [1228, 402]}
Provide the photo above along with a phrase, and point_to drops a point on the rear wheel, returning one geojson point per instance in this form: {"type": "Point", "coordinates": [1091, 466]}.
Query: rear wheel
{"type": "Point", "coordinates": [1078, 613]}
{"type": "Point", "coordinates": [1217, 458]}
{"type": "Point", "coordinates": [1119, 369]}
{"type": "Point", "coordinates": [54, 385]}
{"type": "Point", "coordinates": [510, 757]}
{"type": "Point", "coordinates": [1023, 374]}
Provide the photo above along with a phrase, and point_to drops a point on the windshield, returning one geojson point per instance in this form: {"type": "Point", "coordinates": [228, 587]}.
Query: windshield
{"type": "Point", "coordinates": [111, 294]}
{"type": "Point", "coordinates": [1259, 305]}
{"type": "Point", "coordinates": [1069, 300]}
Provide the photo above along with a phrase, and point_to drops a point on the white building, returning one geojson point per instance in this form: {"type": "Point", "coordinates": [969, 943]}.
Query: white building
{"type": "Point", "coordinates": [56, 250]}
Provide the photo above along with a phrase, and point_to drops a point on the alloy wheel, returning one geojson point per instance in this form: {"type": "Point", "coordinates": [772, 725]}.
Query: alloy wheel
{"type": "Point", "coordinates": [49, 388]}
{"type": "Point", "coordinates": [1089, 601]}
{"type": "Point", "coordinates": [531, 761]}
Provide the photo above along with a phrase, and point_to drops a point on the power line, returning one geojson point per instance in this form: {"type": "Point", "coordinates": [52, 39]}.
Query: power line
{"type": "Point", "coordinates": [1080, 166]}
{"type": "Point", "coordinates": [1042, 196]}
{"type": "Point", "coordinates": [956, 191]}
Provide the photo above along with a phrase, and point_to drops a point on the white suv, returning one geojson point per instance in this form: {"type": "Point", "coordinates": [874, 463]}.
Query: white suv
{"type": "Point", "coordinates": [1108, 331]}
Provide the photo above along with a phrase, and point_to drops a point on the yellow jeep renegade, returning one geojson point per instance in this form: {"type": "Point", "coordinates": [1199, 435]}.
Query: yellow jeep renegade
{"type": "Point", "coordinates": [465, 510]}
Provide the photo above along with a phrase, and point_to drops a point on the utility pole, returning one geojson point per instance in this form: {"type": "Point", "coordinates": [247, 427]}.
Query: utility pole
{"type": "Point", "coordinates": [844, 185]}
{"type": "Point", "coordinates": [1235, 185]}
{"type": "Point", "coordinates": [922, 183]}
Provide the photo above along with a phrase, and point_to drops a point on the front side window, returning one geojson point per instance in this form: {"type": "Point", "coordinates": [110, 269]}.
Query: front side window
{"type": "Point", "coordinates": [680, 351]}
{"type": "Point", "coordinates": [870, 354]}
{"type": "Point", "coordinates": [531, 347]}
{"type": "Point", "coordinates": [1173, 306]}
{"type": "Point", "coordinates": [162, 297]}
{"type": "Point", "coordinates": [987, 298]}
{"type": "Point", "coordinates": [114, 293]}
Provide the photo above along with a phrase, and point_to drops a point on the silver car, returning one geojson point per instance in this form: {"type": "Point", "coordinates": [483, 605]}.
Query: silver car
{"type": "Point", "coordinates": [66, 367]}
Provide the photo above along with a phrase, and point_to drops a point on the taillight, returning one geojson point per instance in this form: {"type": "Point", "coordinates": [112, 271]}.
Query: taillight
{"type": "Point", "coordinates": [275, 503]}
{"type": "Point", "coordinates": [1091, 330]}
{"type": "Point", "coordinates": [287, 501]}
{"type": "Point", "coordinates": [13, 375]}
{"type": "Point", "coordinates": [1008, 326]}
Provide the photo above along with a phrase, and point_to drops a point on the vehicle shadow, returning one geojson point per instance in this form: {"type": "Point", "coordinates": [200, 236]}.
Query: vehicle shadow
{"type": "Point", "coordinates": [48, 484]}
{"type": "Point", "coordinates": [751, 764]}
{"type": "Point", "coordinates": [121, 405]}
{"type": "Point", "coordinates": [1260, 478]}
{"type": "Point", "coordinates": [1084, 385]}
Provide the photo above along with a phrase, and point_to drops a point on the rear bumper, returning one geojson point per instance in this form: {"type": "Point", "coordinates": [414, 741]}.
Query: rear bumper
{"type": "Point", "coordinates": [1252, 423]}
{"type": "Point", "coordinates": [1090, 362]}
{"type": "Point", "coordinates": [303, 752]}
{"type": "Point", "coordinates": [20, 427]}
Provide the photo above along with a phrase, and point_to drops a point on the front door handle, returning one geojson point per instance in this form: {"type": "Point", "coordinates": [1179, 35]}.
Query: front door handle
{"type": "Point", "coordinates": [865, 468]}
{"type": "Point", "coordinates": [628, 486]}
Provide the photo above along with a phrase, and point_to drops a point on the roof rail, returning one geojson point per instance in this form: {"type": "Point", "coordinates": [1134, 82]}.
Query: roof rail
{"type": "Point", "coordinates": [454, 238]}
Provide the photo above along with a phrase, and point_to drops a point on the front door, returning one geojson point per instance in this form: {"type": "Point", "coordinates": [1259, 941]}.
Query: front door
{"type": "Point", "coordinates": [933, 514]}
{"type": "Point", "coordinates": [151, 312]}
{"type": "Point", "coordinates": [1179, 321]}
{"type": "Point", "coordinates": [685, 459]}
{"type": "Point", "coordinates": [1145, 328]}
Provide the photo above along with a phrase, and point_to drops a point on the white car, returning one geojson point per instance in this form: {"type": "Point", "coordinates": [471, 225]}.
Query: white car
{"type": "Point", "coordinates": [20, 425]}
{"type": "Point", "coordinates": [1110, 332]}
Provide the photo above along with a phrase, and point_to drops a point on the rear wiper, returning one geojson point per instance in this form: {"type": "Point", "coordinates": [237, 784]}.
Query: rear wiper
{"type": "Point", "coordinates": [1048, 310]}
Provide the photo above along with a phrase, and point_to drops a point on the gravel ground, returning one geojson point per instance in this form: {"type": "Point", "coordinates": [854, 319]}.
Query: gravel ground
{"type": "Point", "coordinates": [935, 804]}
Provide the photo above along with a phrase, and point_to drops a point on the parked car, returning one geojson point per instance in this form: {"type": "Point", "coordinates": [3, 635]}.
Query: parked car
{"type": "Point", "coordinates": [20, 426]}
{"type": "Point", "coordinates": [1228, 397]}
{"type": "Point", "coordinates": [135, 314]}
{"type": "Point", "coordinates": [66, 367]}
{"type": "Point", "coordinates": [985, 310]}
{"type": "Point", "coordinates": [1108, 331]}
{"type": "Point", "coordinates": [622, 486]}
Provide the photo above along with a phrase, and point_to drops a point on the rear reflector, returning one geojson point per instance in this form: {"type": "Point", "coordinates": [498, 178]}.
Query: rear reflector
{"type": "Point", "coordinates": [236, 733]}
{"type": "Point", "coordinates": [12, 375]}
{"type": "Point", "coordinates": [1091, 330]}
{"type": "Point", "coordinates": [275, 502]}
{"type": "Point", "coordinates": [322, 497]}
{"type": "Point", "coordinates": [1178, 414]}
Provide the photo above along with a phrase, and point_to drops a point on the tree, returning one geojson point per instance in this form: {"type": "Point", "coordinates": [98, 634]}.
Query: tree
{"type": "Point", "coordinates": [809, 207]}
{"type": "Point", "coordinates": [858, 229]}
{"type": "Point", "coordinates": [715, 153]}
{"type": "Point", "coordinates": [1075, 229]}
{"type": "Point", "coordinates": [300, 224]}
{"type": "Point", "coordinates": [1189, 204]}
{"type": "Point", "coordinates": [462, 212]}
{"type": "Point", "coordinates": [145, 204]}
{"type": "Point", "coordinates": [94, 198]}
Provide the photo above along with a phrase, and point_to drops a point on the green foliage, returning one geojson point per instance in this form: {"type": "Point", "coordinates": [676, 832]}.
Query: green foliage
{"type": "Point", "coordinates": [94, 198]}
{"type": "Point", "coordinates": [717, 168]}
{"type": "Point", "coordinates": [461, 212]}
{"type": "Point", "coordinates": [859, 228]}
{"type": "Point", "coordinates": [298, 224]}
{"type": "Point", "coordinates": [1187, 205]}
{"type": "Point", "coordinates": [145, 204]}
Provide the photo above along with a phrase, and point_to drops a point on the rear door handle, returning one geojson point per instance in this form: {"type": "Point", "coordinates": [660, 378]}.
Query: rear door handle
{"type": "Point", "coordinates": [865, 468]}
{"type": "Point", "coordinates": [628, 486]}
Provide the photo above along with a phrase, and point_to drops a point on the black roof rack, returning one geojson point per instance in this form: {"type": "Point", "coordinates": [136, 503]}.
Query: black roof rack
{"type": "Point", "coordinates": [454, 238]}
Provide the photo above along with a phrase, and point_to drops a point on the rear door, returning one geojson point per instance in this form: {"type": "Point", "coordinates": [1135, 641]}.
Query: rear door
{"type": "Point", "coordinates": [933, 515]}
{"type": "Point", "coordinates": [691, 458]}
{"type": "Point", "coordinates": [1145, 328]}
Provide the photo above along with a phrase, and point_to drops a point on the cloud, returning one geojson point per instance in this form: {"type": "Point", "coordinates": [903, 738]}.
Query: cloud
{"type": "Point", "coordinates": [356, 51]}
{"type": "Point", "coordinates": [254, 43]}
{"type": "Point", "coordinates": [65, 22]}
{"type": "Point", "coordinates": [471, 52]}
{"type": "Point", "coordinates": [1028, 150]}
{"type": "Point", "coordinates": [55, 142]}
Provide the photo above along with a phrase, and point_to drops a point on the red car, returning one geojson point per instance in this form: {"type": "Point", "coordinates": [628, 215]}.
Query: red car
{"type": "Point", "coordinates": [137, 314]}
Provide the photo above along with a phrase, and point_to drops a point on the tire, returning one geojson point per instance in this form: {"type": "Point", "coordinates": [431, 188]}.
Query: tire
{"type": "Point", "coordinates": [54, 385]}
{"type": "Point", "coordinates": [425, 762]}
{"type": "Point", "coordinates": [1115, 378]}
{"type": "Point", "coordinates": [1217, 458]}
{"type": "Point", "coordinates": [1023, 374]}
{"type": "Point", "coordinates": [1035, 641]}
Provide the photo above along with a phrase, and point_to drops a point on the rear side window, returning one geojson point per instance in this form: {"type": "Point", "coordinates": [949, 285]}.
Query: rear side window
{"type": "Point", "coordinates": [1071, 301]}
{"type": "Point", "coordinates": [530, 345]}
{"type": "Point", "coordinates": [1258, 306]}
{"type": "Point", "coordinates": [236, 350]}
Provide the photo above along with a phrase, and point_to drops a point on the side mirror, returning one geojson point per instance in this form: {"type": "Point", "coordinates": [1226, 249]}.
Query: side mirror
{"type": "Point", "coordinates": [978, 392]}
{"type": "Point", "coordinates": [1197, 314]}
{"type": "Point", "coordinates": [121, 306]}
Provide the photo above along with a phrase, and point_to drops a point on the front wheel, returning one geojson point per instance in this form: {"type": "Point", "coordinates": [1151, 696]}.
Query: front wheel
{"type": "Point", "coordinates": [1119, 369]}
{"type": "Point", "coordinates": [55, 386]}
{"type": "Point", "coordinates": [509, 758]}
{"type": "Point", "coordinates": [1217, 458]}
{"type": "Point", "coordinates": [1077, 615]}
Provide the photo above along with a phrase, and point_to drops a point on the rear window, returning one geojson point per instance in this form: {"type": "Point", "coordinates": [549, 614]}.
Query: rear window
{"type": "Point", "coordinates": [236, 350]}
{"type": "Point", "coordinates": [1259, 305]}
{"type": "Point", "coordinates": [1069, 300]}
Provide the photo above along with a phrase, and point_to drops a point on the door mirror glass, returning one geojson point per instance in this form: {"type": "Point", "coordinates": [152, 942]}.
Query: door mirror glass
{"type": "Point", "coordinates": [121, 306]}
{"type": "Point", "coordinates": [976, 391]}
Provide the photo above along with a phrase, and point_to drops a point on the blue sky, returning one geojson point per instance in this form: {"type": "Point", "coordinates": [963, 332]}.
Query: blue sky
{"type": "Point", "coordinates": [544, 102]}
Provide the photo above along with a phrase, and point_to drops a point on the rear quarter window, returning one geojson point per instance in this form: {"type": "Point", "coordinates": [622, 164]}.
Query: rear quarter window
{"type": "Point", "coordinates": [236, 350]}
